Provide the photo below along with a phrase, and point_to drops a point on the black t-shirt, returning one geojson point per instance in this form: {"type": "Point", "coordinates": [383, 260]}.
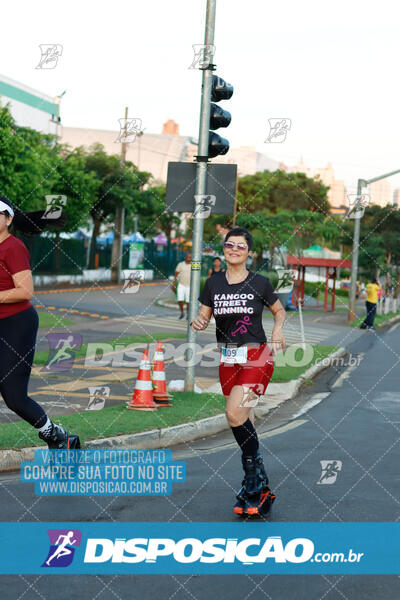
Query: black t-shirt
{"type": "Point", "coordinates": [238, 307]}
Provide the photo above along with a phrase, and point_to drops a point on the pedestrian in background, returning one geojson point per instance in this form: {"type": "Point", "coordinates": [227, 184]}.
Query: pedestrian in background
{"type": "Point", "coordinates": [216, 268]}
{"type": "Point", "coordinates": [373, 289]}
{"type": "Point", "coordinates": [182, 276]}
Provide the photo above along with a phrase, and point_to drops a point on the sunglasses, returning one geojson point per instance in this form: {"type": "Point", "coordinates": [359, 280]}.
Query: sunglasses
{"type": "Point", "coordinates": [231, 246]}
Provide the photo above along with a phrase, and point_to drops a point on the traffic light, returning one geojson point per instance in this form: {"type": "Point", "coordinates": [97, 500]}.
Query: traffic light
{"type": "Point", "coordinates": [221, 90]}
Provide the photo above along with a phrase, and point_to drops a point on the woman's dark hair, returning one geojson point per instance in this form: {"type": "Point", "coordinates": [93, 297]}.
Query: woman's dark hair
{"type": "Point", "coordinates": [217, 258]}
{"type": "Point", "coordinates": [33, 222]}
{"type": "Point", "coordinates": [236, 231]}
{"type": "Point", "coordinates": [374, 280]}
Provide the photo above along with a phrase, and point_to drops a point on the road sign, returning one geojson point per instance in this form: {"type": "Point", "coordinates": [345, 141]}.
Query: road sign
{"type": "Point", "coordinates": [221, 187]}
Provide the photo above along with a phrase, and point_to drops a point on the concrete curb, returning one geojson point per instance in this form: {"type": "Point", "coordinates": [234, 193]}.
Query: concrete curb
{"type": "Point", "coordinates": [163, 438]}
{"type": "Point", "coordinates": [167, 304]}
{"type": "Point", "coordinates": [389, 322]}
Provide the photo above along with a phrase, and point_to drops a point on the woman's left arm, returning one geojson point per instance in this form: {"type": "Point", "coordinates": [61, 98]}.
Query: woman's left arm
{"type": "Point", "coordinates": [23, 289]}
{"type": "Point", "coordinates": [277, 339]}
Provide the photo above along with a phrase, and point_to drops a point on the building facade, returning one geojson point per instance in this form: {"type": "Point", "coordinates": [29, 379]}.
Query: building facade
{"type": "Point", "coordinates": [337, 190]}
{"type": "Point", "coordinates": [151, 151]}
{"type": "Point", "coordinates": [29, 107]}
{"type": "Point", "coordinates": [380, 192]}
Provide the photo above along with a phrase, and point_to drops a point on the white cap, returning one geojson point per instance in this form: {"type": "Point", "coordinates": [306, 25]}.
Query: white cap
{"type": "Point", "coordinates": [4, 206]}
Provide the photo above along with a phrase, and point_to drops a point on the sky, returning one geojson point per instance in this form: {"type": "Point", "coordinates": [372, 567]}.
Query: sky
{"type": "Point", "coordinates": [332, 68]}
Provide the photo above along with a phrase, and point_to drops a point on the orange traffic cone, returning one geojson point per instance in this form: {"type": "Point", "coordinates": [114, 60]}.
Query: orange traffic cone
{"type": "Point", "coordinates": [142, 398]}
{"type": "Point", "coordinates": [160, 394]}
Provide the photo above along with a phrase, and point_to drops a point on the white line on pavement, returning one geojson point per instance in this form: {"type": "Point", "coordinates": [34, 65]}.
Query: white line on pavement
{"type": "Point", "coordinates": [313, 401]}
{"type": "Point", "coordinates": [346, 374]}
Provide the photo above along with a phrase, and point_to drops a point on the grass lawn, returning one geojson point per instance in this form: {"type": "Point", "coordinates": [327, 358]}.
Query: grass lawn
{"type": "Point", "coordinates": [42, 356]}
{"type": "Point", "coordinates": [47, 320]}
{"type": "Point", "coordinates": [117, 420]}
{"type": "Point", "coordinates": [287, 373]}
{"type": "Point", "coordinates": [379, 319]}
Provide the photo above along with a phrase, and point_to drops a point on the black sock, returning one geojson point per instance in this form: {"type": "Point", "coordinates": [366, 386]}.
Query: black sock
{"type": "Point", "coordinates": [246, 437]}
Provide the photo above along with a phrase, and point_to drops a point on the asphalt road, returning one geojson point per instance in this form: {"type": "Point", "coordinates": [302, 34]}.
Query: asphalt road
{"type": "Point", "coordinates": [353, 419]}
{"type": "Point", "coordinates": [110, 301]}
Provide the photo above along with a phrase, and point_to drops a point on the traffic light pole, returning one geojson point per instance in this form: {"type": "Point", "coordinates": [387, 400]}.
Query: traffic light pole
{"type": "Point", "coordinates": [116, 251]}
{"type": "Point", "coordinates": [354, 258]}
{"type": "Point", "coordinates": [201, 182]}
{"type": "Point", "coordinates": [356, 242]}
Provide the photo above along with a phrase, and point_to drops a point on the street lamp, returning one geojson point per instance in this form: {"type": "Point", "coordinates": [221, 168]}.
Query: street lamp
{"type": "Point", "coordinates": [57, 102]}
{"type": "Point", "coordinates": [356, 239]}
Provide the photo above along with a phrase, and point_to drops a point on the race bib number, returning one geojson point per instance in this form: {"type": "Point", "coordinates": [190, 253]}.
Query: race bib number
{"type": "Point", "coordinates": [234, 355]}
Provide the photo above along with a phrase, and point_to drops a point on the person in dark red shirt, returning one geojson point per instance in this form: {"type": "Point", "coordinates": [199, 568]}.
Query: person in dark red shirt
{"type": "Point", "coordinates": [237, 298]}
{"type": "Point", "coordinates": [19, 323]}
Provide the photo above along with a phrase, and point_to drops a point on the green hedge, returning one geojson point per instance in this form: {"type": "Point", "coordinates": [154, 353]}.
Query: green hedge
{"type": "Point", "coordinates": [311, 288]}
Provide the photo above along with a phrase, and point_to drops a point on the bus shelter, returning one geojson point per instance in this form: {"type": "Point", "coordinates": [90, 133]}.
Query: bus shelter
{"type": "Point", "coordinates": [329, 264]}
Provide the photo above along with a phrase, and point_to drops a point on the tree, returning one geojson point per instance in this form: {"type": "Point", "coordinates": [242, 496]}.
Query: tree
{"type": "Point", "coordinates": [28, 161]}
{"type": "Point", "coordinates": [277, 190]}
{"type": "Point", "coordinates": [379, 247]}
{"type": "Point", "coordinates": [153, 217]}
{"type": "Point", "coordinates": [119, 184]}
{"type": "Point", "coordinates": [79, 186]}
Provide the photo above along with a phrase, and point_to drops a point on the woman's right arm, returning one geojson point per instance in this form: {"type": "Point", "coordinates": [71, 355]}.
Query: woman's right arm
{"type": "Point", "coordinates": [203, 318]}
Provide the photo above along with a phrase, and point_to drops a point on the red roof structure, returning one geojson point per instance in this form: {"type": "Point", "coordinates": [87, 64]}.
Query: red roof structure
{"type": "Point", "coordinates": [330, 264]}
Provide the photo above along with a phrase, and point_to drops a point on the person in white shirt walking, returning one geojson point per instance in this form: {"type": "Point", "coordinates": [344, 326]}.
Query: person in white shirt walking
{"type": "Point", "coordinates": [182, 276]}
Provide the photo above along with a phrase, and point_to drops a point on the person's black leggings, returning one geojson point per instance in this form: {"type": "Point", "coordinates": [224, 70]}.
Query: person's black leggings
{"type": "Point", "coordinates": [371, 310]}
{"type": "Point", "coordinates": [17, 347]}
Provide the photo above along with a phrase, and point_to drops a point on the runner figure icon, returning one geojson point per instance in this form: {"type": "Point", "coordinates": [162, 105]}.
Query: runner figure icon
{"type": "Point", "coordinates": [242, 325]}
{"type": "Point", "coordinates": [62, 549]}
{"type": "Point", "coordinates": [63, 346]}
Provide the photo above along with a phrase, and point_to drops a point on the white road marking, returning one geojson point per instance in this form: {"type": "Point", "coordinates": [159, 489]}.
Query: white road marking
{"type": "Point", "coordinates": [200, 452]}
{"type": "Point", "coordinates": [346, 374]}
{"type": "Point", "coordinates": [313, 401]}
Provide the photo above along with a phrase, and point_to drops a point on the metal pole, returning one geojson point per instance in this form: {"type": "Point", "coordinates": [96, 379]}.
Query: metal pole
{"type": "Point", "coordinates": [354, 258]}
{"type": "Point", "coordinates": [116, 254]}
{"type": "Point", "coordinates": [201, 182]}
{"type": "Point", "coordinates": [356, 240]}
{"type": "Point", "coordinates": [303, 338]}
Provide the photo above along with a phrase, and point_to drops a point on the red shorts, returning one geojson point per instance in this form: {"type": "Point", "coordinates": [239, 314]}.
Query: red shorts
{"type": "Point", "coordinates": [255, 373]}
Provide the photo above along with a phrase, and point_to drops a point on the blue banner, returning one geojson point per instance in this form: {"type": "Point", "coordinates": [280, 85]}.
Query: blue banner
{"type": "Point", "coordinates": [200, 548]}
{"type": "Point", "coordinates": [102, 472]}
